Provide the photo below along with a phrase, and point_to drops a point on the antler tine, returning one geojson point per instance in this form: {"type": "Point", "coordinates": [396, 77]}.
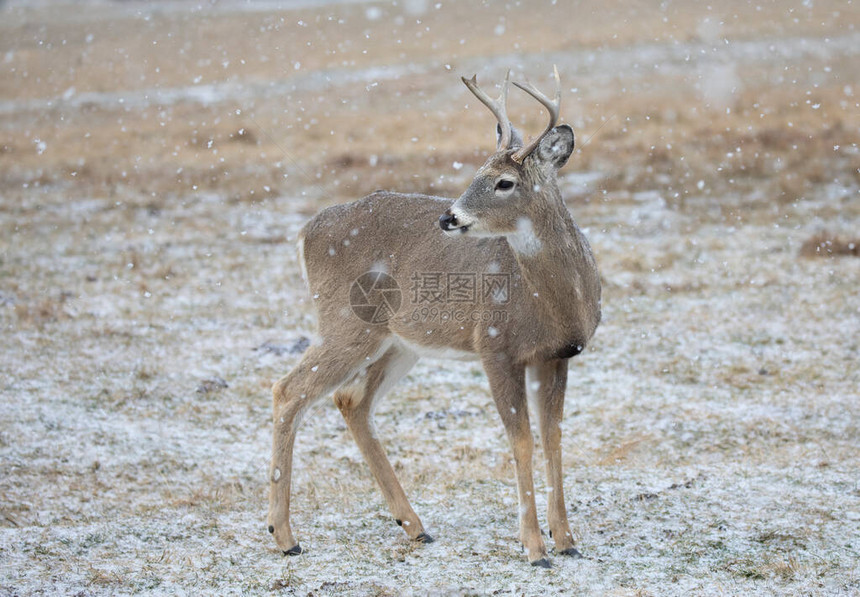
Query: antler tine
{"type": "Point", "coordinates": [497, 107]}
{"type": "Point", "coordinates": [553, 106]}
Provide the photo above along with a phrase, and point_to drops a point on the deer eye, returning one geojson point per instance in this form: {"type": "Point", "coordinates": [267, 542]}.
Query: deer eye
{"type": "Point", "coordinates": [505, 185]}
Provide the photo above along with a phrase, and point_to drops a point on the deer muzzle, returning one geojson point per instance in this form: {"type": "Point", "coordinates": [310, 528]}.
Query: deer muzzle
{"type": "Point", "coordinates": [449, 223]}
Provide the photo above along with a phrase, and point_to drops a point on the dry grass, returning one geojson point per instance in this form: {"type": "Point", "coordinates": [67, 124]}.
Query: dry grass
{"type": "Point", "coordinates": [339, 145]}
{"type": "Point", "coordinates": [826, 244]}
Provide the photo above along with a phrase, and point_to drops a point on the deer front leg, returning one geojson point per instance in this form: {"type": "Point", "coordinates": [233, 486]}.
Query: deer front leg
{"type": "Point", "coordinates": [507, 383]}
{"type": "Point", "coordinates": [548, 381]}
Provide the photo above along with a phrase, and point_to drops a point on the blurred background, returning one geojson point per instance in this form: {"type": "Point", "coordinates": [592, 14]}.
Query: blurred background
{"type": "Point", "coordinates": [753, 103]}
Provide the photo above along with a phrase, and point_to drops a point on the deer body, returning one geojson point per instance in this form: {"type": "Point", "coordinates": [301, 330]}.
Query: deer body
{"type": "Point", "coordinates": [548, 309]}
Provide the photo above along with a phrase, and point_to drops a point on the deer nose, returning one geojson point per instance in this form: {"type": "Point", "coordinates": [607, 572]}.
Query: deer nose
{"type": "Point", "coordinates": [448, 221]}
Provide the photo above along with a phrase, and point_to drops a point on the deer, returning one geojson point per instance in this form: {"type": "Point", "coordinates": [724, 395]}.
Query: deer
{"type": "Point", "coordinates": [510, 226]}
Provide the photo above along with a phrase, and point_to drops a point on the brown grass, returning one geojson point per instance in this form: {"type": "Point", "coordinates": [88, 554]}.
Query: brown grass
{"type": "Point", "coordinates": [770, 145]}
{"type": "Point", "coordinates": [825, 244]}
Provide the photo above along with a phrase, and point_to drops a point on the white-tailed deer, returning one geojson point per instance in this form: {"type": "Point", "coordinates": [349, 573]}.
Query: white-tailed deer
{"type": "Point", "coordinates": [509, 279]}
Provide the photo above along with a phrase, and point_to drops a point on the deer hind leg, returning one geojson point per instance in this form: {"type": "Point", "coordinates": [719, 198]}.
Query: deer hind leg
{"type": "Point", "coordinates": [356, 402]}
{"type": "Point", "coordinates": [507, 383]}
{"type": "Point", "coordinates": [546, 383]}
{"type": "Point", "coordinates": [323, 368]}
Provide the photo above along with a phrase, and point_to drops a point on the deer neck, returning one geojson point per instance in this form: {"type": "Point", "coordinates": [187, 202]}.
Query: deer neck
{"type": "Point", "coordinates": [555, 261]}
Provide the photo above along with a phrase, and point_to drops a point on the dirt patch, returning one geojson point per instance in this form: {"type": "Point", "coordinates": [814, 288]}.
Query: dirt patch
{"type": "Point", "coordinates": [825, 244]}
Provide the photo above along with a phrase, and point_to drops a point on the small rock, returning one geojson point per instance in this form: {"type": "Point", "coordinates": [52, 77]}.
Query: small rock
{"type": "Point", "coordinates": [211, 384]}
{"type": "Point", "coordinates": [298, 346]}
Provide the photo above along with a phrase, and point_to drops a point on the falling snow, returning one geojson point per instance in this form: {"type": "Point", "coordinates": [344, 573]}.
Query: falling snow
{"type": "Point", "coordinates": [158, 162]}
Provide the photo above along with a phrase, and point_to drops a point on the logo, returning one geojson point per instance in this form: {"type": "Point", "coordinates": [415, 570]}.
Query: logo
{"type": "Point", "coordinates": [375, 297]}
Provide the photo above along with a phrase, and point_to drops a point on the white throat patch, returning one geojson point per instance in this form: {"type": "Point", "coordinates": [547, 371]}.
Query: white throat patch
{"type": "Point", "coordinates": [524, 241]}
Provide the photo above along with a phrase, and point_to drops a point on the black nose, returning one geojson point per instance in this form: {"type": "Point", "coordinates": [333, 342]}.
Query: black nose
{"type": "Point", "coordinates": [447, 221]}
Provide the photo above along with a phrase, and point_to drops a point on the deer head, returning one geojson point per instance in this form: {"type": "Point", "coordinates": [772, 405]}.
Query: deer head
{"type": "Point", "coordinates": [517, 183]}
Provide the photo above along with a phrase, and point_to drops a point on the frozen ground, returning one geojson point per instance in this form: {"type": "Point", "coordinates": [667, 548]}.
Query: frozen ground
{"type": "Point", "coordinates": [150, 296]}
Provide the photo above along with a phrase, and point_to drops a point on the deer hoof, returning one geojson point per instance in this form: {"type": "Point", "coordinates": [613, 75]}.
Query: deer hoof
{"type": "Point", "coordinates": [542, 563]}
{"type": "Point", "coordinates": [294, 550]}
{"type": "Point", "coordinates": [424, 538]}
{"type": "Point", "coordinates": [571, 552]}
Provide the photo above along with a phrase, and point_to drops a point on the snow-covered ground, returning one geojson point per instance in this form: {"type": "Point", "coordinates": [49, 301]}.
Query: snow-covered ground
{"type": "Point", "coordinates": [711, 440]}
{"type": "Point", "coordinates": [710, 434]}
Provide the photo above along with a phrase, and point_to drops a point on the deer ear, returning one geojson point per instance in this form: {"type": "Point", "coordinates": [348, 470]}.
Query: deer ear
{"type": "Point", "coordinates": [516, 137]}
{"type": "Point", "coordinates": [555, 147]}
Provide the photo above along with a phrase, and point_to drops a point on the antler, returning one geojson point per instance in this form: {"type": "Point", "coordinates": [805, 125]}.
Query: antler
{"type": "Point", "coordinates": [497, 107]}
{"type": "Point", "coordinates": [553, 106]}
